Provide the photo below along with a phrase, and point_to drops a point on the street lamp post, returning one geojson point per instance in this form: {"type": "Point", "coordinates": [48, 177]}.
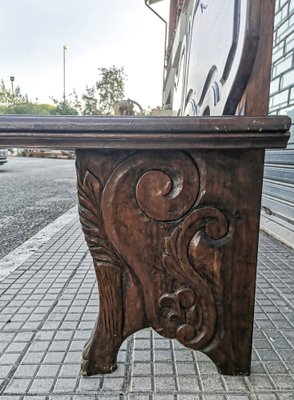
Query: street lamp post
{"type": "Point", "coordinates": [12, 78]}
{"type": "Point", "coordinates": [64, 50]}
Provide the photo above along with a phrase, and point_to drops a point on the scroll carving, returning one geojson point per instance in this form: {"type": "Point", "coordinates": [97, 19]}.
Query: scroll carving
{"type": "Point", "coordinates": [143, 223]}
{"type": "Point", "coordinates": [158, 189]}
{"type": "Point", "coordinates": [190, 314]}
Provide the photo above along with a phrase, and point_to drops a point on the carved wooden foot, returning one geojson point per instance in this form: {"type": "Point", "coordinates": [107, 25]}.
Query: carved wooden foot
{"type": "Point", "coordinates": [173, 236]}
{"type": "Point", "coordinates": [231, 361]}
{"type": "Point", "coordinates": [96, 360]}
{"type": "Point", "coordinates": [121, 310]}
{"type": "Point", "coordinates": [101, 350]}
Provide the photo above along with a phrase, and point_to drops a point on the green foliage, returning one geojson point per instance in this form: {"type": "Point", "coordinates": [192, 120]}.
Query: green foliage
{"type": "Point", "coordinates": [67, 106]}
{"type": "Point", "coordinates": [108, 90]}
{"type": "Point", "coordinates": [90, 102]}
{"type": "Point", "coordinates": [9, 100]}
{"type": "Point", "coordinates": [17, 103]}
{"type": "Point", "coordinates": [31, 108]}
{"type": "Point", "coordinates": [96, 100]}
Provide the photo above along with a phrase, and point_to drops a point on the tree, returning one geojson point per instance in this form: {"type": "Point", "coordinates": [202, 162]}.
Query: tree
{"type": "Point", "coordinates": [90, 106]}
{"type": "Point", "coordinates": [17, 103]}
{"type": "Point", "coordinates": [9, 100]}
{"type": "Point", "coordinates": [108, 90]}
{"type": "Point", "coordinates": [67, 106]}
{"type": "Point", "coordinates": [96, 100]}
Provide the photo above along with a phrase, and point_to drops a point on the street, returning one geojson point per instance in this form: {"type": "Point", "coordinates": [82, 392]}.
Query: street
{"type": "Point", "coordinates": [33, 193]}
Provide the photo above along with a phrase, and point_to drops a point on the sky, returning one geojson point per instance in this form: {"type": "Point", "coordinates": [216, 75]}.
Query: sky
{"type": "Point", "coordinates": [98, 33]}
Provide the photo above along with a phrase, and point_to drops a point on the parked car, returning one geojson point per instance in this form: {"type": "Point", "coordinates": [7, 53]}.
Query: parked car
{"type": "Point", "coordinates": [3, 156]}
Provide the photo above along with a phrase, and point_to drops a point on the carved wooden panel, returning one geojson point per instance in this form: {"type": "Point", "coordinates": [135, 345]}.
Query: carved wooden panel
{"type": "Point", "coordinates": [217, 55]}
{"type": "Point", "coordinates": [163, 228]}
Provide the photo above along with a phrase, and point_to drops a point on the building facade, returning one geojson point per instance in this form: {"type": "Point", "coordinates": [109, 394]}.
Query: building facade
{"type": "Point", "coordinates": [277, 216]}
{"type": "Point", "coordinates": [278, 190]}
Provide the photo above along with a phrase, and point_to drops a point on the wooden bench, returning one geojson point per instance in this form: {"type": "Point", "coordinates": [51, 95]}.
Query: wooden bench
{"type": "Point", "coordinates": [170, 206]}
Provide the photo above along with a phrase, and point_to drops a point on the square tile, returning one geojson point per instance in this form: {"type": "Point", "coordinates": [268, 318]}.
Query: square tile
{"type": "Point", "coordinates": [188, 383]}
{"type": "Point", "coordinates": [54, 357]}
{"type": "Point", "coordinates": [140, 368]}
{"type": "Point", "coordinates": [41, 385]}
{"type": "Point", "coordinates": [112, 384]}
{"type": "Point", "coordinates": [89, 384]}
{"type": "Point", "coordinates": [4, 370]}
{"type": "Point", "coordinates": [48, 371]}
{"type": "Point", "coordinates": [65, 385]}
{"type": "Point", "coordinates": [141, 384]}
{"type": "Point", "coordinates": [70, 370]}
{"type": "Point", "coordinates": [25, 371]}
{"type": "Point", "coordinates": [17, 386]}
{"type": "Point", "coordinates": [165, 384]}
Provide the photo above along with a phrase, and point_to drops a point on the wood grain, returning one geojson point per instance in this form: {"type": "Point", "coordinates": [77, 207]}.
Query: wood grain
{"type": "Point", "coordinates": [177, 267]}
{"type": "Point", "coordinates": [148, 133]}
{"type": "Point", "coordinates": [170, 206]}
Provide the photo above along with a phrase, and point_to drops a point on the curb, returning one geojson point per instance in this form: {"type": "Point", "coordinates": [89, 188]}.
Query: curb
{"type": "Point", "coordinates": [18, 256]}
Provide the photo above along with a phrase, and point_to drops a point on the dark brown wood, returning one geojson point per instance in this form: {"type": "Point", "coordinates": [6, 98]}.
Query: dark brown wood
{"type": "Point", "coordinates": [120, 295]}
{"type": "Point", "coordinates": [139, 133]}
{"type": "Point", "coordinates": [215, 58]}
{"type": "Point", "coordinates": [76, 125]}
{"type": "Point", "coordinates": [170, 206]}
{"type": "Point", "coordinates": [256, 96]}
{"type": "Point", "coordinates": [173, 238]}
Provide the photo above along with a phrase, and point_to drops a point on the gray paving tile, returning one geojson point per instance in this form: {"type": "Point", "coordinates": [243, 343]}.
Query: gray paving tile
{"type": "Point", "coordinates": [25, 371]}
{"type": "Point", "coordinates": [284, 396]}
{"type": "Point", "coordinates": [17, 386]}
{"type": "Point", "coordinates": [161, 369]}
{"type": "Point", "coordinates": [185, 368]}
{"type": "Point", "coordinates": [206, 367]}
{"type": "Point", "coordinates": [41, 385]}
{"type": "Point", "coordinates": [239, 397]}
{"type": "Point", "coordinates": [141, 369]}
{"type": "Point", "coordinates": [142, 355]}
{"type": "Point", "coordinates": [276, 367]}
{"type": "Point", "coordinates": [91, 384]}
{"type": "Point", "coordinates": [284, 382]}
{"type": "Point", "coordinates": [11, 398]}
{"type": "Point", "coordinates": [212, 383]}
{"type": "Point", "coordinates": [69, 370]}
{"type": "Point", "coordinates": [188, 383]}
{"type": "Point", "coordinates": [162, 344]}
{"type": "Point", "coordinates": [4, 370]}
{"type": "Point", "coordinates": [9, 358]}
{"type": "Point", "coordinates": [165, 384]}
{"type": "Point", "coordinates": [65, 385]}
{"type": "Point", "coordinates": [73, 357]}
{"type": "Point", "coordinates": [156, 368]}
{"type": "Point", "coordinates": [48, 371]}
{"type": "Point", "coordinates": [141, 384]}
{"type": "Point", "coordinates": [112, 383]}
{"type": "Point", "coordinates": [33, 357]}
{"type": "Point", "coordinates": [54, 357]}
{"type": "Point", "coordinates": [142, 344]}
{"type": "Point", "coordinates": [16, 347]}
{"type": "Point", "coordinates": [236, 383]}
{"type": "Point", "coordinates": [163, 355]}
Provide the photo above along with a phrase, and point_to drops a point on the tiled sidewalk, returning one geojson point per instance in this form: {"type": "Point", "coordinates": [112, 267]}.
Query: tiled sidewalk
{"type": "Point", "coordinates": [48, 308]}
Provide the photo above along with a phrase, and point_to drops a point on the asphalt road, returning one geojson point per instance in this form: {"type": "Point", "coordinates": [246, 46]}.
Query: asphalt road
{"type": "Point", "coordinates": [33, 193]}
